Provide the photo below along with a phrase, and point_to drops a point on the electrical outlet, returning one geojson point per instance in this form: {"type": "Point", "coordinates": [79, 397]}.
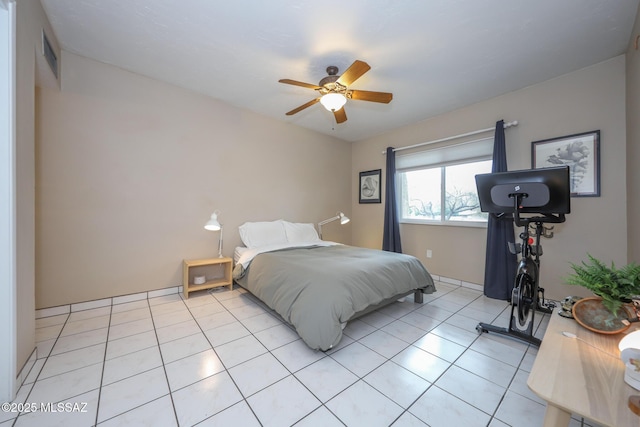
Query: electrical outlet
{"type": "Point", "coordinates": [429, 253]}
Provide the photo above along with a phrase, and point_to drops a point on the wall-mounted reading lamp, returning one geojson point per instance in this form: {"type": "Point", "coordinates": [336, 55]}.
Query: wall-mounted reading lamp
{"type": "Point", "coordinates": [214, 225]}
{"type": "Point", "coordinates": [339, 216]}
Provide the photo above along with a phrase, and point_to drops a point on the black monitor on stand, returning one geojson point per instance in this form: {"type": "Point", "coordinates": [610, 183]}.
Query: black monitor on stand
{"type": "Point", "coordinates": [542, 191]}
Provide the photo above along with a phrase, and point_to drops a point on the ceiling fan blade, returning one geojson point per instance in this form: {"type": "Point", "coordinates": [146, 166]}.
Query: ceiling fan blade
{"type": "Point", "coordinates": [340, 115]}
{"type": "Point", "coordinates": [365, 95]}
{"type": "Point", "coordinates": [297, 83]}
{"type": "Point", "coordinates": [353, 73]}
{"type": "Point", "coordinates": [302, 107]}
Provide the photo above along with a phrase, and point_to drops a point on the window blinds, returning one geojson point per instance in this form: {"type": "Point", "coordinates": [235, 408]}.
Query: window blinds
{"type": "Point", "coordinates": [449, 154]}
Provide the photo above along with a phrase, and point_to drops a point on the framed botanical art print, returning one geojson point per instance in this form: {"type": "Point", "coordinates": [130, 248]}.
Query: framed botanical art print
{"type": "Point", "coordinates": [370, 186]}
{"type": "Point", "coordinates": [581, 152]}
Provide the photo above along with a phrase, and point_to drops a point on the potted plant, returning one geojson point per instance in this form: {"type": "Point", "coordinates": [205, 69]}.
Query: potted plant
{"type": "Point", "coordinates": [615, 286]}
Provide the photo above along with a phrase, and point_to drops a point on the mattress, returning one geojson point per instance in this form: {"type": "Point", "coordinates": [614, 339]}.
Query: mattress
{"type": "Point", "coordinates": [237, 253]}
{"type": "Point", "coordinates": [317, 289]}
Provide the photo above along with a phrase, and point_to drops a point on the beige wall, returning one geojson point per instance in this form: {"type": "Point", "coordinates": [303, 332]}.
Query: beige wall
{"type": "Point", "coordinates": [633, 143]}
{"type": "Point", "coordinates": [129, 169]}
{"type": "Point", "coordinates": [589, 99]}
{"type": "Point", "coordinates": [30, 20]}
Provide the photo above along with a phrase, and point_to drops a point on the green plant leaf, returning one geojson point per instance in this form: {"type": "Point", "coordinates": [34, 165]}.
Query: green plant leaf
{"type": "Point", "coordinates": [614, 285]}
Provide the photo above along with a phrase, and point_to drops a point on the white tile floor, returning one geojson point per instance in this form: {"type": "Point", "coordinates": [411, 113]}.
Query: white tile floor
{"type": "Point", "coordinates": [223, 359]}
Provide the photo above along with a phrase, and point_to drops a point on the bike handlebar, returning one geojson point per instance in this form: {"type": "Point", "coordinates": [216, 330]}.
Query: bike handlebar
{"type": "Point", "coordinates": [551, 218]}
{"type": "Point", "coordinates": [523, 222]}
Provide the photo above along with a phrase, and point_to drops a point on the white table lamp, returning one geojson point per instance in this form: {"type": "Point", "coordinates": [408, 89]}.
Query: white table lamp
{"type": "Point", "coordinates": [339, 216]}
{"type": "Point", "coordinates": [214, 225]}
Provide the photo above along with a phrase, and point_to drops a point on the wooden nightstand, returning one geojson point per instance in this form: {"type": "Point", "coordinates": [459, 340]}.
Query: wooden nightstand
{"type": "Point", "coordinates": [205, 267]}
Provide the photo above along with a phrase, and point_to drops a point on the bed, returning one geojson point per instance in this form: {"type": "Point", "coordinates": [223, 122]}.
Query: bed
{"type": "Point", "coordinates": [318, 286]}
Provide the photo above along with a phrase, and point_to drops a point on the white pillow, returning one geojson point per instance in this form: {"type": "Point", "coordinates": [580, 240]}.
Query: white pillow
{"type": "Point", "coordinates": [256, 234]}
{"type": "Point", "coordinates": [300, 232]}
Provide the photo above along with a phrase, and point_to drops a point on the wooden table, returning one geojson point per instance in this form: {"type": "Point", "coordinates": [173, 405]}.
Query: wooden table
{"type": "Point", "coordinates": [574, 377]}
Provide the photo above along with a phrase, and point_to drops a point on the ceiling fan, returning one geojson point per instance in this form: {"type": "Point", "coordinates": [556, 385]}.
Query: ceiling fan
{"type": "Point", "coordinates": [334, 90]}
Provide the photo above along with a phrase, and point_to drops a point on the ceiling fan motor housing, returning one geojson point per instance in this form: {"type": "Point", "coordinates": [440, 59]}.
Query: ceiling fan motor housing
{"type": "Point", "coordinates": [329, 82]}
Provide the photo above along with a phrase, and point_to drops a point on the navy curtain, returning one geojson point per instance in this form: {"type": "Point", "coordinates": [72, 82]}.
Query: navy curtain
{"type": "Point", "coordinates": [500, 264]}
{"type": "Point", "coordinates": [391, 238]}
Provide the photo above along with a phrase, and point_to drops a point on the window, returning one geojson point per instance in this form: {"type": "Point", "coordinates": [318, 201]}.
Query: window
{"type": "Point", "coordinates": [438, 186]}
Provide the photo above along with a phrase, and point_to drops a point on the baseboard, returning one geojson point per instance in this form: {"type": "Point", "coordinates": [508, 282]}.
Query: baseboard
{"type": "Point", "coordinates": [121, 299]}
{"type": "Point", "coordinates": [105, 302]}
{"type": "Point", "coordinates": [457, 282]}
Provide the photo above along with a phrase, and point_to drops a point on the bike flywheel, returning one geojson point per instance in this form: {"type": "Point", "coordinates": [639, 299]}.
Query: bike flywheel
{"type": "Point", "coordinates": [525, 302]}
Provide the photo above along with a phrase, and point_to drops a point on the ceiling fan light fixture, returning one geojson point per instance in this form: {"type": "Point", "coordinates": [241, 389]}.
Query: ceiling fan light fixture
{"type": "Point", "coordinates": [333, 101]}
{"type": "Point", "coordinates": [333, 90]}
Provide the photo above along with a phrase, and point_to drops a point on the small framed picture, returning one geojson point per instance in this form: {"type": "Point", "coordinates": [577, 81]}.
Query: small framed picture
{"type": "Point", "coordinates": [581, 152]}
{"type": "Point", "coordinates": [370, 186]}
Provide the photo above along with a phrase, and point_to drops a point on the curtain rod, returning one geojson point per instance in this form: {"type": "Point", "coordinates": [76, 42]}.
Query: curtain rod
{"type": "Point", "coordinates": [475, 132]}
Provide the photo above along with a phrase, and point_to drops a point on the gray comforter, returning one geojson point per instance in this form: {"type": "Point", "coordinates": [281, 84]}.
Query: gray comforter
{"type": "Point", "coordinates": [317, 289]}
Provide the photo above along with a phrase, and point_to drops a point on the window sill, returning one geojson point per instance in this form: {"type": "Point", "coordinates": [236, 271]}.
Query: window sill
{"type": "Point", "coordinates": [471, 224]}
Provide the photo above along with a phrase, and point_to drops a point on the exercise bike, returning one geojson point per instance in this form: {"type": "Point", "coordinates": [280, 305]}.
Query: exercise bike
{"type": "Point", "coordinates": [527, 295]}
{"type": "Point", "coordinates": [544, 193]}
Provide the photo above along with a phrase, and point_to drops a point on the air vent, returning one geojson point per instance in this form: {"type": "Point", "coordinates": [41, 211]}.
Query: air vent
{"type": "Point", "coordinates": [49, 54]}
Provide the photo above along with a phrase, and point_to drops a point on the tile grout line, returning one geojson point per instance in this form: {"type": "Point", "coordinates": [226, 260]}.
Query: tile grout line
{"type": "Point", "coordinates": [144, 371]}
{"type": "Point", "coordinates": [291, 374]}
{"type": "Point", "coordinates": [468, 347]}
{"type": "Point", "coordinates": [42, 367]}
{"type": "Point", "coordinates": [104, 364]}
{"type": "Point", "coordinates": [226, 370]}
{"type": "Point", "coordinates": [389, 359]}
{"type": "Point", "coordinates": [133, 375]}
{"type": "Point", "coordinates": [529, 346]}
{"type": "Point", "coordinates": [164, 366]}
{"type": "Point", "coordinates": [433, 384]}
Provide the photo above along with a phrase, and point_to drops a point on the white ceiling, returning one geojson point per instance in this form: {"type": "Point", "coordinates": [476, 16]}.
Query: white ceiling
{"type": "Point", "coordinates": [434, 55]}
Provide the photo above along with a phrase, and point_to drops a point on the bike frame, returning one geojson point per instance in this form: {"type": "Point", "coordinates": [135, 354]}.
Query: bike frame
{"type": "Point", "coordinates": [528, 264]}
{"type": "Point", "coordinates": [528, 268]}
{"type": "Point", "coordinates": [523, 301]}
